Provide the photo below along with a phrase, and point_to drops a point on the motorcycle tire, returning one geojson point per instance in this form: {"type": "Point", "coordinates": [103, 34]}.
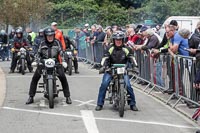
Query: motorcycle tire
{"type": "Point", "coordinates": [70, 66]}
{"type": "Point", "coordinates": [23, 66]}
{"type": "Point", "coordinates": [121, 100]}
{"type": "Point", "coordinates": [65, 70]}
{"type": "Point", "coordinates": [50, 93]}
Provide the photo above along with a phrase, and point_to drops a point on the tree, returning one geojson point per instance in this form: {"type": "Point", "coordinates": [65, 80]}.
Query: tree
{"type": "Point", "coordinates": [186, 8]}
{"type": "Point", "coordinates": [158, 10]}
{"type": "Point", "coordinates": [23, 12]}
{"type": "Point", "coordinates": [71, 13]}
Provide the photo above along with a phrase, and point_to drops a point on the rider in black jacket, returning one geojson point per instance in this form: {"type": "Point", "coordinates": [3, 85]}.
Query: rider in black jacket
{"type": "Point", "coordinates": [70, 45]}
{"type": "Point", "coordinates": [18, 43]}
{"type": "Point", "coordinates": [38, 40]}
{"type": "Point", "coordinates": [4, 44]}
{"type": "Point", "coordinates": [50, 48]}
{"type": "Point", "coordinates": [116, 54]}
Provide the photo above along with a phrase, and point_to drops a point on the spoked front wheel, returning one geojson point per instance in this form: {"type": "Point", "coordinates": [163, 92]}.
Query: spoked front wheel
{"type": "Point", "coordinates": [50, 93]}
{"type": "Point", "coordinates": [121, 100]}
{"type": "Point", "coordinates": [70, 66]}
{"type": "Point", "coordinates": [23, 66]}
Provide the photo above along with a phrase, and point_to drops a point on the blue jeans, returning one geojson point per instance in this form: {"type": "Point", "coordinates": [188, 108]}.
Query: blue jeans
{"type": "Point", "coordinates": [104, 85]}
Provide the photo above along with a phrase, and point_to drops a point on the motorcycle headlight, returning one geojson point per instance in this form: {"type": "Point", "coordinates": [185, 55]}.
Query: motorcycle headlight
{"type": "Point", "coordinates": [19, 53]}
{"type": "Point", "coordinates": [69, 53]}
{"type": "Point", "coordinates": [23, 50]}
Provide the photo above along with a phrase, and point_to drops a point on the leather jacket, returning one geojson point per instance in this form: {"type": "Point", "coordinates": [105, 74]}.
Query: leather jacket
{"type": "Point", "coordinates": [117, 55]}
{"type": "Point", "coordinates": [50, 50]}
{"type": "Point", "coordinates": [20, 42]}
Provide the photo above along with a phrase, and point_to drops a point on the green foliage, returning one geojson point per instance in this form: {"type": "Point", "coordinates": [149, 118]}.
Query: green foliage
{"type": "Point", "coordinates": [75, 13]}
{"type": "Point", "coordinates": [157, 10]}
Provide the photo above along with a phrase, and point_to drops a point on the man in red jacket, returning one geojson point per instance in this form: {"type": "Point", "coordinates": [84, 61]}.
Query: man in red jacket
{"type": "Point", "coordinates": [59, 35]}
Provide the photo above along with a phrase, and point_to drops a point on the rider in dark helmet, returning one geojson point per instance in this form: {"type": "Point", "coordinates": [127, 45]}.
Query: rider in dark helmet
{"type": "Point", "coordinates": [19, 42]}
{"type": "Point", "coordinates": [50, 48]}
{"type": "Point", "coordinates": [38, 40]}
{"type": "Point", "coordinates": [12, 34]}
{"type": "Point", "coordinates": [117, 53]}
{"type": "Point", "coordinates": [71, 45]}
{"type": "Point", "coordinates": [40, 37]}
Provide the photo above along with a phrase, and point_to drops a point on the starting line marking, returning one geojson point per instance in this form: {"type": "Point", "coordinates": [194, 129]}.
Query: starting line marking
{"type": "Point", "coordinates": [104, 119]}
{"type": "Point", "coordinates": [43, 103]}
{"type": "Point", "coordinates": [85, 103]}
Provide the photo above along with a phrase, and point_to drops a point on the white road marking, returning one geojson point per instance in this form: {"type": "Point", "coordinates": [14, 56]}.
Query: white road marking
{"type": "Point", "coordinates": [105, 119]}
{"type": "Point", "coordinates": [89, 121]}
{"type": "Point", "coordinates": [29, 76]}
{"type": "Point", "coordinates": [64, 104]}
{"type": "Point", "coordinates": [84, 76]}
{"type": "Point", "coordinates": [42, 103]}
{"type": "Point", "coordinates": [17, 76]}
{"type": "Point", "coordinates": [85, 103]}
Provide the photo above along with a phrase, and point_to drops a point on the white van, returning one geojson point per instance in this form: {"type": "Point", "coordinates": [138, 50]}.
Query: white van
{"type": "Point", "coordinates": [188, 22]}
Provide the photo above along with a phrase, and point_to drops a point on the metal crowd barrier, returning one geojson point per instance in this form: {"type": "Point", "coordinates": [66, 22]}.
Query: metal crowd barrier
{"type": "Point", "coordinates": [168, 72]}
{"type": "Point", "coordinates": [185, 71]}
{"type": "Point", "coordinates": [90, 53]}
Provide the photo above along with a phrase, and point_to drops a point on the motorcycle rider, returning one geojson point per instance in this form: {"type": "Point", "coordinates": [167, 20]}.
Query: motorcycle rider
{"type": "Point", "coordinates": [19, 42]}
{"type": "Point", "coordinates": [117, 53]}
{"type": "Point", "coordinates": [30, 36]}
{"type": "Point", "coordinates": [70, 45]}
{"type": "Point", "coordinates": [49, 48]}
{"type": "Point", "coordinates": [11, 40]}
{"type": "Point", "coordinates": [12, 34]}
{"type": "Point", "coordinates": [4, 41]}
{"type": "Point", "coordinates": [38, 39]}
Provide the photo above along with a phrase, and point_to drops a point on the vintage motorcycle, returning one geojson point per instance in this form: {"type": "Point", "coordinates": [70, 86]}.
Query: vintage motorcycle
{"type": "Point", "coordinates": [49, 85]}
{"type": "Point", "coordinates": [69, 59]}
{"type": "Point", "coordinates": [22, 64]}
{"type": "Point", "coordinates": [117, 91]}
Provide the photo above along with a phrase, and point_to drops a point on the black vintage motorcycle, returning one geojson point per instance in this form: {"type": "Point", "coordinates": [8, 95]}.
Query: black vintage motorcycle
{"type": "Point", "coordinates": [22, 64]}
{"type": "Point", "coordinates": [69, 59]}
{"type": "Point", "coordinates": [117, 90]}
{"type": "Point", "coordinates": [49, 81]}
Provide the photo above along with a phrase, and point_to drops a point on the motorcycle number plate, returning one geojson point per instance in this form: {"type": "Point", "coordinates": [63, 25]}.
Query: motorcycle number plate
{"type": "Point", "coordinates": [121, 70]}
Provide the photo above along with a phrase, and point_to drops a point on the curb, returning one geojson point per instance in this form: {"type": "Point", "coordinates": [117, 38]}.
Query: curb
{"type": "Point", "coordinates": [3, 87]}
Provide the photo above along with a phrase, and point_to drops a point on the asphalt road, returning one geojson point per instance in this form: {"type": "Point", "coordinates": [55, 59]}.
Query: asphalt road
{"type": "Point", "coordinates": [80, 116]}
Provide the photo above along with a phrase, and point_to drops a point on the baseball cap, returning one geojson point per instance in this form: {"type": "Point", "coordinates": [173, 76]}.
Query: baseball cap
{"type": "Point", "coordinates": [144, 28]}
{"type": "Point", "coordinates": [86, 25]}
{"type": "Point", "coordinates": [53, 24]}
